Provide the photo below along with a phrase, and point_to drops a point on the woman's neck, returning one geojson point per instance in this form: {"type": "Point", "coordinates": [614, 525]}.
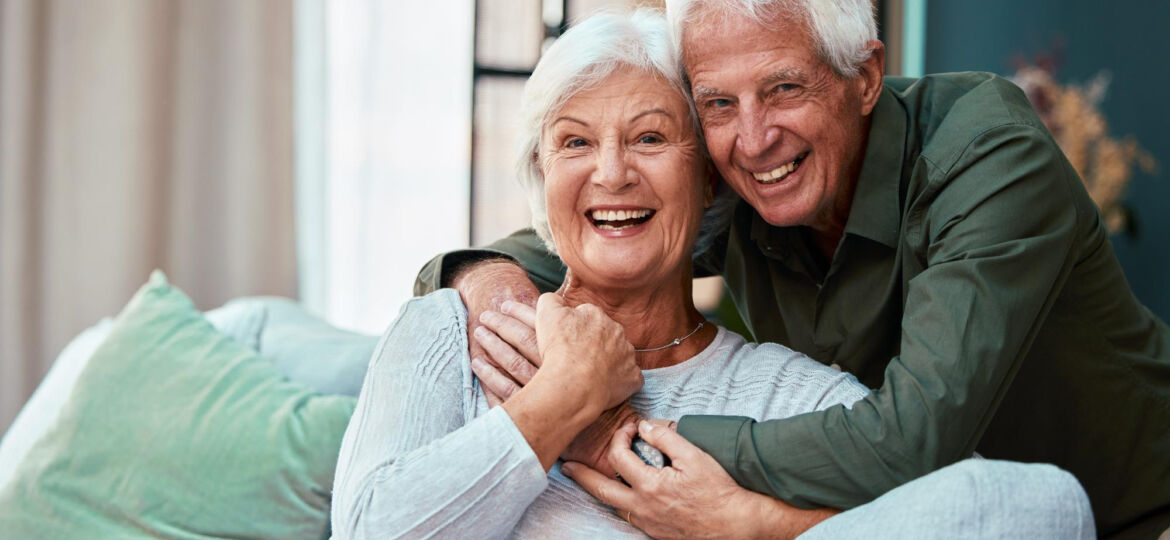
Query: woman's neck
{"type": "Point", "coordinates": [652, 317]}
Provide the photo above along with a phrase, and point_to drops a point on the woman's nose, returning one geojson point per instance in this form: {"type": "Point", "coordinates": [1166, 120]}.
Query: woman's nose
{"type": "Point", "coordinates": [755, 132]}
{"type": "Point", "coordinates": [613, 171]}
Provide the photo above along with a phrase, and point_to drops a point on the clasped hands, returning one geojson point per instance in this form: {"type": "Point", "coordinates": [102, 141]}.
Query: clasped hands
{"type": "Point", "coordinates": [692, 498]}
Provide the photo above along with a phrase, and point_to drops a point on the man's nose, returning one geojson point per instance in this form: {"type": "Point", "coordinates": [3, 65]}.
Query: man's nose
{"type": "Point", "coordinates": [613, 172]}
{"type": "Point", "coordinates": [756, 133]}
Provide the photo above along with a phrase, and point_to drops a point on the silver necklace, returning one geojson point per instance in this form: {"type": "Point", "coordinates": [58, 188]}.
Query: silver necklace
{"type": "Point", "coordinates": [676, 340]}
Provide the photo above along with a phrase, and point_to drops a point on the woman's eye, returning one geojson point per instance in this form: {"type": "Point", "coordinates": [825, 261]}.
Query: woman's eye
{"type": "Point", "coordinates": [650, 138]}
{"type": "Point", "coordinates": [575, 142]}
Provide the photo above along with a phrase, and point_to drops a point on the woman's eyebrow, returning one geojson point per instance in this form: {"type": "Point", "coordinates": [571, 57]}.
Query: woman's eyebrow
{"type": "Point", "coordinates": [649, 112]}
{"type": "Point", "coordinates": [569, 119]}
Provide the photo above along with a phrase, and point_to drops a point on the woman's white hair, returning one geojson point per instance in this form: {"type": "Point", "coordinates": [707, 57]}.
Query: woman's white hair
{"type": "Point", "coordinates": [579, 60]}
{"type": "Point", "coordinates": [841, 29]}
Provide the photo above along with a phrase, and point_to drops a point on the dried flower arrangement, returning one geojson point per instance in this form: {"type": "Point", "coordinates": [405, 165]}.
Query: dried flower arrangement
{"type": "Point", "coordinates": [1071, 113]}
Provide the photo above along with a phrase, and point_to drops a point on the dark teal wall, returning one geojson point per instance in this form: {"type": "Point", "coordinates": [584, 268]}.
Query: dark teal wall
{"type": "Point", "coordinates": [1130, 39]}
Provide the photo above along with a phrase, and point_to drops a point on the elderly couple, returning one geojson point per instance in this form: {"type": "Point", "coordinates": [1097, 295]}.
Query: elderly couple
{"type": "Point", "coordinates": [926, 237]}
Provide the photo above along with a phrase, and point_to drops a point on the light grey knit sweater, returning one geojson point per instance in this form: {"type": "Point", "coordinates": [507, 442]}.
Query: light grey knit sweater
{"type": "Point", "coordinates": [424, 457]}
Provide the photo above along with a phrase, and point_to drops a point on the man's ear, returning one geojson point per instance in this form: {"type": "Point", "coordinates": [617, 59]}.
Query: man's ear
{"type": "Point", "coordinates": [713, 180]}
{"type": "Point", "coordinates": [869, 76]}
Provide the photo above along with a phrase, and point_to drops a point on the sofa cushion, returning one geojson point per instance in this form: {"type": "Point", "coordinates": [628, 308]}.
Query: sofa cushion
{"type": "Point", "coordinates": [175, 430]}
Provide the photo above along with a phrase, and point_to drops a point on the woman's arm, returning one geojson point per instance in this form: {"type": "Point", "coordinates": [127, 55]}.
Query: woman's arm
{"type": "Point", "coordinates": [414, 459]}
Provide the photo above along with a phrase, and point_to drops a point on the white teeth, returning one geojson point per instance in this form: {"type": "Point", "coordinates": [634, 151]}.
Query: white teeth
{"type": "Point", "coordinates": [603, 217]}
{"type": "Point", "coordinates": [619, 215]}
{"type": "Point", "coordinates": [777, 174]}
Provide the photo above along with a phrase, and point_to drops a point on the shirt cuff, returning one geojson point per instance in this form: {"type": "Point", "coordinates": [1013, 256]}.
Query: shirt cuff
{"type": "Point", "coordinates": [716, 435]}
{"type": "Point", "coordinates": [528, 465]}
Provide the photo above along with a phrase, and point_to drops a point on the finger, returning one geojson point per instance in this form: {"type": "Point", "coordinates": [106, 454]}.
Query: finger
{"type": "Point", "coordinates": [667, 440]}
{"type": "Point", "coordinates": [521, 311]}
{"type": "Point", "coordinates": [625, 461]}
{"type": "Point", "coordinates": [504, 356]}
{"type": "Point", "coordinates": [493, 400]}
{"type": "Point", "coordinates": [474, 349]}
{"type": "Point", "coordinates": [549, 301]}
{"type": "Point", "coordinates": [605, 489]}
{"type": "Point", "coordinates": [515, 332]}
{"type": "Point", "coordinates": [492, 380]}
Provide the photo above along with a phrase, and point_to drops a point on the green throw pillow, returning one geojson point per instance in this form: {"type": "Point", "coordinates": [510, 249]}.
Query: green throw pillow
{"type": "Point", "coordinates": [175, 430]}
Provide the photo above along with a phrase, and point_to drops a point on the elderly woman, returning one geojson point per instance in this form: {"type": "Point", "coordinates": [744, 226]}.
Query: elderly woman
{"type": "Point", "coordinates": [619, 183]}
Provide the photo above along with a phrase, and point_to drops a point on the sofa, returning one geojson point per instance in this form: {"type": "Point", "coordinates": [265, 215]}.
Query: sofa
{"type": "Point", "coordinates": [166, 422]}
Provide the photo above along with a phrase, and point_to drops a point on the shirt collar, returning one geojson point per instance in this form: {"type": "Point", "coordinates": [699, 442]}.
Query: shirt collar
{"type": "Point", "coordinates": [876, 212]}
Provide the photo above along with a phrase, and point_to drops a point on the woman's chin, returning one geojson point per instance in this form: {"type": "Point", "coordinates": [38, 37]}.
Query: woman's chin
{"type": "Point", "coordinates": [623, 270]}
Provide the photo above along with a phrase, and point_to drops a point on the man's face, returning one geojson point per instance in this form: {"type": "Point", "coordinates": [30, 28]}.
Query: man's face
{"type": "Point", "coordinates": [783, 128]}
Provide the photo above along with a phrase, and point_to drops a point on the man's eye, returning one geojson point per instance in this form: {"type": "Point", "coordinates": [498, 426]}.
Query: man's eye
{"type": "Point", "coordinates": [718, 103]}
{"type": "Point", "coordinates": [785, 87]}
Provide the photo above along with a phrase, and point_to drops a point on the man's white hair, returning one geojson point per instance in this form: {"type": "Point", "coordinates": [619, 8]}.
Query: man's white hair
{"type": "Point", "coordinates": [841, 29]}
{"type": "Point", "coordinates": [581, 59]}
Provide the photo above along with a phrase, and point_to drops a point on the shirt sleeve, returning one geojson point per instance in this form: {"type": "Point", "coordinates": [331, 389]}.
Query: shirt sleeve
{"type": "Point", "coordinates": [996, 242]}
{"type": "Point", "coordinates": [523, 246]}
{"type": "Point", "coordinates": [412, 464]}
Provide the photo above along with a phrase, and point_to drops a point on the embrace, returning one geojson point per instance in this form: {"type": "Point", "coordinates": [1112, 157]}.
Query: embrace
{"type": "Point", "coordinates": [947, 344]}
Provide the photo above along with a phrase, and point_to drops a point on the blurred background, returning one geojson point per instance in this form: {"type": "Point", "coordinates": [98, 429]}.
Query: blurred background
{"type": "Point", "coordinates": [325, 150]}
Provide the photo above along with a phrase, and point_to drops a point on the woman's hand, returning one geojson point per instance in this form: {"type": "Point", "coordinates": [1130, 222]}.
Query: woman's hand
{"type": "Point", "coordinates": [591, 446]}
{"type": "Point", "coordinates": [586, 351]}
{"type": "Point", "coordinates": [587, 366]}
{"type": "Point", "coordinates": [692, 498]}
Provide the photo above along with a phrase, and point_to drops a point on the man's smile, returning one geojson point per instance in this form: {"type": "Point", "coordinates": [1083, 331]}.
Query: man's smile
{"type": "Point", "coordinates": [781, 172]}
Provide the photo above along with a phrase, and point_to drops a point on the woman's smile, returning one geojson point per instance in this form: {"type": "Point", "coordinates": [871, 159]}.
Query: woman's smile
{"type": "Point", "coordinates": [618, 222]}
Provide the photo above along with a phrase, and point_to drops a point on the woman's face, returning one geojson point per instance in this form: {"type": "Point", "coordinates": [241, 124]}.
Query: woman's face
{"type": "Point", "coordinates": [625, 183]}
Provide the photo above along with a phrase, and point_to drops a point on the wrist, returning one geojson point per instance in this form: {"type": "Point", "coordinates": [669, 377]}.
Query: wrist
{"type": "Point", "coordinates": [494, 280]}
{"type": "Point", "coordinates": [459, 262]}
{"type": "Point", "coordinates": [758, 516]}
{"type": "Point", "coordinates": [773, 518]}
{"type": "Point", "coordinates": [549, 415]}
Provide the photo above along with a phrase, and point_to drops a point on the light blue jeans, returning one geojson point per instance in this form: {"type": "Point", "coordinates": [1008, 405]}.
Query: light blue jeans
{"type": "Point", "coordinates": [975, 498]}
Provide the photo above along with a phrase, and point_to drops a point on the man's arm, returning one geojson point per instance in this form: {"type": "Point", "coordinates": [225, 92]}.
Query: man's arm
{"type": "Point", "coordinates": [522, 247]}
{"type": "Point", "coordinates": [516, 268]}
{"type": "Point", "coordinates": [997, 242]}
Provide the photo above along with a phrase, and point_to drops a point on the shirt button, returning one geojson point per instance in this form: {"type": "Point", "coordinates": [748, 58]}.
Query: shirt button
{"type": "Point", "coordinates": [835, 366]}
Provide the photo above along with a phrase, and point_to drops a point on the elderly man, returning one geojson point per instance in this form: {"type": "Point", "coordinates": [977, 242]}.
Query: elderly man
{"type": "Point", "coordinates": [926, 235]}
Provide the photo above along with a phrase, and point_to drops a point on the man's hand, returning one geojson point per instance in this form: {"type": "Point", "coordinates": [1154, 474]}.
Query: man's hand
{"type": "Point", "coordinates": [485, 287]}
{"type": "Point", "coordinates": [509, 338]}
{"type": "Point", "coordinates": [692, 498]}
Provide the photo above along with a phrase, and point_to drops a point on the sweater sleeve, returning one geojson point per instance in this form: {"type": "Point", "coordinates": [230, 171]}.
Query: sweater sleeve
{"type": "Point", "coordinates": [415, 461]}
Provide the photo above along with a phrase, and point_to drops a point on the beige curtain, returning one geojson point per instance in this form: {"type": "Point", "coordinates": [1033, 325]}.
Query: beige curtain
{"type": "Point", "coordinates": [137, 134]}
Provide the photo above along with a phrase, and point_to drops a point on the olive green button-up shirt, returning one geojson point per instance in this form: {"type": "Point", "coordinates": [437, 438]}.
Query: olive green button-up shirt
{"type": "Point", "coordinates": [975, 289]}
